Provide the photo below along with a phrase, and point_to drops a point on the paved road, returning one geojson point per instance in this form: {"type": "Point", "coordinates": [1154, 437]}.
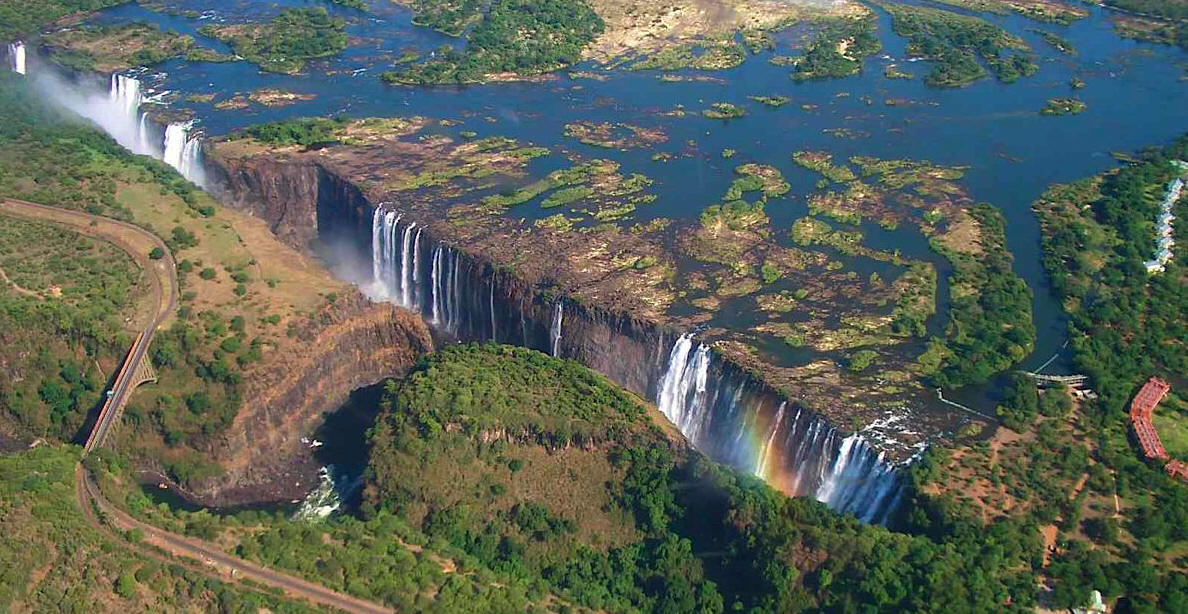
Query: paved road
{"type": "Point", "coordinates": [162, 276]}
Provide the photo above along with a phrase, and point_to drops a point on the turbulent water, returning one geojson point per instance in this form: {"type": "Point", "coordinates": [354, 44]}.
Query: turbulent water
{"type": "Point", "coordinates": [803, 455]}
{"type": "Point", "coordinates": [16, 57]}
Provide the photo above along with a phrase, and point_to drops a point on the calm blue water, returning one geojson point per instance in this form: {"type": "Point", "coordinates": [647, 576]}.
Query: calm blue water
{"type": "Point", "coordinates": [1134, 94]}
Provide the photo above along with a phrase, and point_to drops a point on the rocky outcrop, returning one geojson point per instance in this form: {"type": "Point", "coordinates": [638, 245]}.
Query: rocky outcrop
{"type": "Point", "coordinates": [349, 345]}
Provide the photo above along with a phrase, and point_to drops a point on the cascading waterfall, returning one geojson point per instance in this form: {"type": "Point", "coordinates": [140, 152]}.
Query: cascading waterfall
{"type": "Point", "coordinates": [125, 92]}
{"type": "Point", "coordinates": [399, 273]}
{"type": "Point", "coordinates": [406, 257]}
{"type": "Point", "coordinates": [16, 57]}
{"type": "Point", "coordinates": [555, 328]}
{"type": "Point", "coordinates": [805, 456]}
{"type": "Point", "coordinates": [183, 151]}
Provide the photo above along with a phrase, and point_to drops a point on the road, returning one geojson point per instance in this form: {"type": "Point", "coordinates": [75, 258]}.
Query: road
{"type": "Point", "coordinates": [162, 277]}
{"type": "Point", "coordinates": [162, 274]}
{"type": "Point", "coordinates": [221, 563]}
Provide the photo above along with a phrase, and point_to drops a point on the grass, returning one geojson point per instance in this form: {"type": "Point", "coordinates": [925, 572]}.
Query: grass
{"type": "Point", "coordinates": [54, 561]}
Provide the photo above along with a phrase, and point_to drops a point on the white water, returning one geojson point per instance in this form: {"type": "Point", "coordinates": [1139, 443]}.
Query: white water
{"type": "Point", "coordinates": [16, 57]}
{"type": "Point", "coordinates": [806, 460]}
{"type": "Point", "coordinates": [118, 112]}
{"type": "Point", "coordinates": [555, 328]}
{"type": "Point", "coordinates": [183, 151]}
{"type": "Point", "coordinates": [399, 274]}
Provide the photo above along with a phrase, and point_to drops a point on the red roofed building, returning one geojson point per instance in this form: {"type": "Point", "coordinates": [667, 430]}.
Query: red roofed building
{"type": "Point", "coordinates": [1145, 401]}
{"type": "Point", "coordinates": [1141, 409]}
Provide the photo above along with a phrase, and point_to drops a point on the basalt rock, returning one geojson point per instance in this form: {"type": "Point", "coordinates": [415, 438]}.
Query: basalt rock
{"type": "Point", "coordinates": [350, 344]}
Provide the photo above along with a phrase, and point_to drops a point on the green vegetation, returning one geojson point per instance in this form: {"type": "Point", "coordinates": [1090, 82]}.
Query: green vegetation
{"type": "Point", "coordinates": [358, 5]}
{"type": "Point", "coordinates": [837, 51]}
{"type": "Point", "coordinates": [821, 162]}
{"type": "Point", "coordinates": [306, 132]}
{"type": "Point", "coordinates": [954, 43]}
{"type": "Point", "coordinates": [1173, 9]}
{"type": "Point", "coordinates": [675, 533]}
{"type": "Point", "coordinates": [284, 43]}
{"type": "Point", "coordinates": [65, 339]}
{"type": "Point", "coordinates": [513, 36]}
{"type": "Point", "coordinates": [1059, 44]}
{"type": "Point", "coordinates": [54, 561]}
{"type": "Point", "coordinates": [709, 54]}
{"type": "Point", "coordinates": [774, 102]}
{"type": "Point", "coordinates": [58, 280]}
{"type": "Point", "coordinates": [114, 48]}
{"type": "Point", "coordinates": [19, 18]}
{"type": "Point", "coordinates": [990, 326]}
{"type": "Point", "coordinates": [450, 18]}
{"type": "Point", "coordinates": [1063, 106]}
{"type": "Point", "coordinates": [1050, 11]}
{"type": "Point", "coordinates": [724, 110]}
{"type": "Point", "coordinates": [1096, 236]}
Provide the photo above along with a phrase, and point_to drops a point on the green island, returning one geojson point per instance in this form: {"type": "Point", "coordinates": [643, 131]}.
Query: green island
{"type": "Point", "coordinates": [1058, 12]}
{"type": "Point", "coordinates": [513, 37]}
{"type": "Point", "coordinates": [117, 47]}
{"type": "Point", "coordinates": [1057, 42]}
{"type": "Point", "coordinates": [837, 51]}
{"type": "Point", "coordinates": [724, 110]}
{"type": "Point", "coordinates": [959, 45]}
{"type": "Point", "coordinates": [19, 18]}
{"type": "Point", "coordinates": [1063, 106]}
{"type": "Point", "coordinates": [710, 53]}
{"type": "Point", "coordinates": [774, 102]}
{"type": "Point", "coordinates": [284, 43]}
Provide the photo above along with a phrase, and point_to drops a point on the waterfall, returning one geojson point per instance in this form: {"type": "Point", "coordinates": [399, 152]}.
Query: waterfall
{"type": "Point", "coordinates": [555, 329]}
{"type": "Point", "coordinates": [183, 151]}
{"type": "Point", "coordinates": [434, 283]}
{"type": "Point", "coordinates": [415, 281]}
{"type": "Point", "coordinates": [125, 92]}
{"type": "Point", "coordinates": [406, 262]}
{"type": "Point", "coordinates": [16, 57]}
{"type": "Point", "coordinates": [722, 415]}
{"type": "Point", "coordinates": [761, 468]}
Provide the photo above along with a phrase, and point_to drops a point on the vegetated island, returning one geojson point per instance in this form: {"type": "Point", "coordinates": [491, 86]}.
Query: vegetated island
{"type": "Point", "coordinates": [114, 48]}
{"type": "Point", "coordinates": [284, 43]}
{"type": "Point", "coordinates": [1063, 106]}
{"type": "Point", "coordinates": [957, 46]}
{"type": "Point", "coordinates": [1048, 11]}
{"type": "Point", "coordinates": [516, 40]}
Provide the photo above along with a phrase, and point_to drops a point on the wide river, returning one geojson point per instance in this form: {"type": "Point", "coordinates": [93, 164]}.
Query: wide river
{"type": "Point", "coordinates": [1135, 94]}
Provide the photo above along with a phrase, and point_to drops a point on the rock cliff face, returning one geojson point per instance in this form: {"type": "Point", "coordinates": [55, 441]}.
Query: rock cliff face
{"type": "Point", "coordinates": [500, 285]}
{"type": "Point", "coordinates": [350, 344]}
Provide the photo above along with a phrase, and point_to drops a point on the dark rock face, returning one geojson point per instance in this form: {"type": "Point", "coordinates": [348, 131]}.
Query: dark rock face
{"type": "Point", "coordinates": [350, 344]}
{"type": "Point", "coordinates": [469, 298]}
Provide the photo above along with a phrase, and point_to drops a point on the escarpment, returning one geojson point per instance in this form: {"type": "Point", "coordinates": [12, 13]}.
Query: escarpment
{"type": "Point", "coordinates": [350, 344]}
{"type": "Point", "coordinates": [479, 277]}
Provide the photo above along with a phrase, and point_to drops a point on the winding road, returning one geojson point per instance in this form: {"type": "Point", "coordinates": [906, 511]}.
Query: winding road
{"type": "Point", "coordinates": [138, 242]}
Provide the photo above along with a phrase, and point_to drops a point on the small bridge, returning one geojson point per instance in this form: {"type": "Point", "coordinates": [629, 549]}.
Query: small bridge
{"type": "Point", "coordinates": [1072, 381]}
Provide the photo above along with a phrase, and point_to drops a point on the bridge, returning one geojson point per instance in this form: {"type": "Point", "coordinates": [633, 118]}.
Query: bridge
{"type": "Point", "coordinates": [208, 559]}
{"type": "Point", "coordinates": [134, 372]}
{"type": "Point", "coordinates": [1072, 381]}
{"type": "Point", "coordinates": [162, 278]}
